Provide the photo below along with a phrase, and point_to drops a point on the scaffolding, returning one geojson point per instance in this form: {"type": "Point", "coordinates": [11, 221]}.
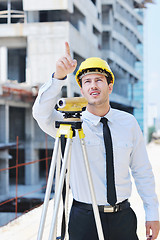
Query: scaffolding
{"type": "Point", "coordinates": [15, 202]}
{"type": "Point", "coordinates": [20, 93]}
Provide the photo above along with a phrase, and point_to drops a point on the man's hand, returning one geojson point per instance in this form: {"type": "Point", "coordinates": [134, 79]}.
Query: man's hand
{"type": "Point", "coordinates": [65, 64]}
{"type": "Point", "coordinates": [152, 229]}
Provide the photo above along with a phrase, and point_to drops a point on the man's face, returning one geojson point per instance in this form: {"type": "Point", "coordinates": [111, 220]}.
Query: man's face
{"type": "Point", "coordinates": [96, 89]}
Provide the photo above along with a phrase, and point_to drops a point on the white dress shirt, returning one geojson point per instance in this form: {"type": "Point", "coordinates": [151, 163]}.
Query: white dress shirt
{"type": "Point", "coordinates": [128, 149]}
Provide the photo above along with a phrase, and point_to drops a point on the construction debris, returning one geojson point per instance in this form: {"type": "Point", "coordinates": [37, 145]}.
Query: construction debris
{"type": "Point", "coordinates": [142, 3]}
{"type": "Point", "coordinates": [18, 91]}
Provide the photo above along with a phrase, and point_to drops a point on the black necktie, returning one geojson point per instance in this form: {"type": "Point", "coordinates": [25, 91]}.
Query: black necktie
{"type": "Point", "coordinates": [111, 191]}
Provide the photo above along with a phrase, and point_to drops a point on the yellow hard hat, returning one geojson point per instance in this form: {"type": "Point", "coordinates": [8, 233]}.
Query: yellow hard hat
{"type": "Point", "coordinates": [94, 65]}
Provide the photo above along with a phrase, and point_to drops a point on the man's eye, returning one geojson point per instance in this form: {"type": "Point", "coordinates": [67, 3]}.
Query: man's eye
{"type": "Point", "coordinates": [86, 81]}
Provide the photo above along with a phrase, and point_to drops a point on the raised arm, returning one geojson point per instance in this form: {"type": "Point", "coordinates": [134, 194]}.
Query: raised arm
{"type": "Point", "coordinates": [43, 108]}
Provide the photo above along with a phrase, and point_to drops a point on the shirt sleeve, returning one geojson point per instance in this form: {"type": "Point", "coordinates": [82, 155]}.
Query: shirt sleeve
{"type": "Point", "coordinates": [143, 176]}
{"type": "Point", "coordinates": [44, 107]}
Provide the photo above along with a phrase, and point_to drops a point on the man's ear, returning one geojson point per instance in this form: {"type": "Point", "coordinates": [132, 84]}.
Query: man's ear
{"type": "Point", "coordinates": [110, 88]}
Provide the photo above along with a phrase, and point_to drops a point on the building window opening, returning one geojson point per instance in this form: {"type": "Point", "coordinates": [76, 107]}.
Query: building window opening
{"type": "Point", "coordinates": [3, 16]}
{"type": "Point", "coordinates": [106, 14]}
{"type": "Point", "coordinates": [53, 16]}
{"type": "Point", "coordinates": [98, 36]}
{"type": "Point", "coordinates": [106, 40]}
{"type": "Point", "coordinates": [93, 1]}
{"type": "Point", "coordinates": [79, 60]}
{"type": "Point", "coordinates": [17, 65]}
{"type": "Point", "coordinates": [64, 91]}
{"type": "Point", "coordinates": [42, 164]}
{"type": "Point", "coordinates": [63, 15]}
{"type": "Point", "coordinates": [11, 12]}
{"type": "Point", "coordinates": [76, 94]}
{"type": "Point", "coordinates": [17, 5]}
{"type": "Point", "coordinates": [18, 14]}
{"type": "Point", "coordinates": [43, 16]}
{"type": "Point", "coordinates": [16, 123]}
{"type": "Point", "coordinates": [12, 163]}
{"type": "Point", "coordinates": [95, 31]}
{"type": "Point", "coordinates": [77, 17]}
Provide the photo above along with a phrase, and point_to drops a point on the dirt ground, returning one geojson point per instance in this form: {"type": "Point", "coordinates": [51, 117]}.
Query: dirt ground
{"type": "Point", "coordinates": [26, 226]}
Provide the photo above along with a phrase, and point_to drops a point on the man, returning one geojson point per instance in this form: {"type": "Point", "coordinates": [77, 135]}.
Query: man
{"type": "Point", "coordinates": [112, 186]}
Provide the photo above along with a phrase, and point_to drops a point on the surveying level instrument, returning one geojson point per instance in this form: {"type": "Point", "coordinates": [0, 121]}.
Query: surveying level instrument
{"type": "Point", "coordinates": [72, 109]}
{"type": "Point", "coordinates": [73, 105]}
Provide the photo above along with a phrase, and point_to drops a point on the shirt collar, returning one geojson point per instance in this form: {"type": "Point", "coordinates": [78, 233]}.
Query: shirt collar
{"type": "Point", "coordinates": [94, 119]}
{"type": "Point", "coordinates": [109, 115]}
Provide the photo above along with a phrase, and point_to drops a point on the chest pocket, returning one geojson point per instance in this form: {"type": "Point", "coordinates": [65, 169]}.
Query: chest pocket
{"type": "Point", "coordinates": [94, 150]}
{"type": "Point", "coordinates": [92, 142]}
{"type": "Point", "coordinates": [123, 145]}
{"type": "Point", "coordinates": [122, 152]}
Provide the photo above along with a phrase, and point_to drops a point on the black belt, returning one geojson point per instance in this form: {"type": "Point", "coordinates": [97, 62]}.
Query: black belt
{"type": "Point", "coordinates": [103, 208]}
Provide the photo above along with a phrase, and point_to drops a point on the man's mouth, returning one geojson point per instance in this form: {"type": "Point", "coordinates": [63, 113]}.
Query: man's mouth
{"type": "Point", "coordinates": [95, 93]}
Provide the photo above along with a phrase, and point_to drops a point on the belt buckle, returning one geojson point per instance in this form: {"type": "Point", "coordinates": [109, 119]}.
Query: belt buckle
{"type": "Point", "coordinates": [109, 209]}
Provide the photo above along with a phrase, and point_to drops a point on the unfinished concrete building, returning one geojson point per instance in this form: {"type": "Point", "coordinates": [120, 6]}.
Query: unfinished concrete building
{"type": "Point", "coordinates": [32, 37]}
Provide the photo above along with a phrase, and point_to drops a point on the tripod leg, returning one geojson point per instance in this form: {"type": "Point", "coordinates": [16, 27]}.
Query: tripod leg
{"type": "Point", "coordinates": [94, 204]}
{"type": "Point", "coordinates": [58, 165]}
{"type": "Point", "coordinates": [48, 190]}
{"type": "Point", "coordinates": [67, 194]}
{"type": "Point", "coordinates": [59, 190]}
{"type": "Point", "coordinates": [64, 226]}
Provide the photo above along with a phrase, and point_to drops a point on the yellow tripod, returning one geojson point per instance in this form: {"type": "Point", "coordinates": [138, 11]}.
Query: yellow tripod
{"type": "Point", "coordinates": [67, 128]}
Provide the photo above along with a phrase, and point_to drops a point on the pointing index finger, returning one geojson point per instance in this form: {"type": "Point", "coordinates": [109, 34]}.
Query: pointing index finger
{"type": "Point", "coordinates": [67, 49]}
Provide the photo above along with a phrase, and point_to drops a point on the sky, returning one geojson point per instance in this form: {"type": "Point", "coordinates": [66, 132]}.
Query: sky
{"type": "Point", "coordinates": [152, 57]}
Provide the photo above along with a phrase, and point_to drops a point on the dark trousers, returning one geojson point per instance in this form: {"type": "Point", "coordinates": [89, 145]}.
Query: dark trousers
{"type": "Point", "coordinates": [120, 225]}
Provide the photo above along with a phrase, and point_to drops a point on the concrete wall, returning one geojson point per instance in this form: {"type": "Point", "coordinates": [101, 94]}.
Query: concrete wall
{"type": "Point", "coordinates": [45, 46]}
{"type": "Point", "coordinates": [34, 5]}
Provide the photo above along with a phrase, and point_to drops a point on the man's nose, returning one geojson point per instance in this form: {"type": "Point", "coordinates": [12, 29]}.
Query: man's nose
{"type": "Point", "coordinates": [93, 85]}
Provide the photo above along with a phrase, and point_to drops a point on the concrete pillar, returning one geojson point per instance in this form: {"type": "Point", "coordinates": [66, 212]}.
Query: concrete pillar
{"type": "Point", "coordinates": [4, 175]}
{"type": "Point", "coordinates": [33, 16]}
{"type": "Point", "coordinates": [32, 170]}
{"type": "Point", "coordinates": [4, 123]}
{"type": "Point", "coordinates": [4, 156]}
{"type": "Point", "coordinates": [3, 64]}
